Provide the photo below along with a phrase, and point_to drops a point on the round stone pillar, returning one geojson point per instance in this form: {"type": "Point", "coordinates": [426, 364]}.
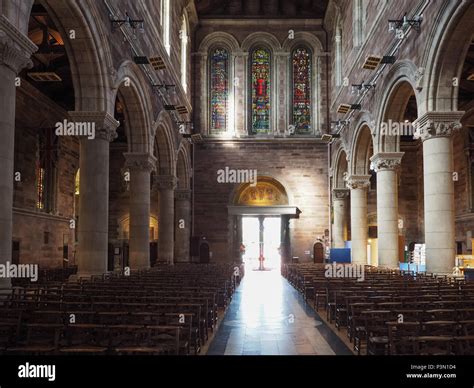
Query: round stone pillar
{"type": "Point", "coordinates": [387, 166]}
{"type": "Point", "coordinates": [183, 226]}
{"type": "Point", "coordinates": [140, 166]}
{"type": "Point", "coordinates": [166, 185]}
{"type": "Point", "coordinates": [358, 184]}
{"type": "Point", "coordinates": [93, 228]}
{"type": "Point", "coordinates": [435, 129]}
{"type": "Point", "coordinates": [340, 211]}
{"type": "Point", "coordinates": [15, 52]}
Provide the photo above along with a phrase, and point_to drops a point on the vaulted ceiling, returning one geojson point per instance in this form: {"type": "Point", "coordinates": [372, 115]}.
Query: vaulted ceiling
{"type": "Point", "coordinates": [269, 9]}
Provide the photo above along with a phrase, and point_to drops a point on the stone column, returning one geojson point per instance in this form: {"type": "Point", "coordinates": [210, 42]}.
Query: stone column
{"type": "Point", "coordinates": [339, 228]}
{"type": "Point", "coordinates": [94, 188]}
{"type": "Point", "coordinates": [283, 124]}
{"type": "Point", "coordinates": [140, 166]}
{"type": "Point", "coordinates": [387, 166]}
{"type": "Point", "coordinates": [358, 184]}
{"type": "Point", "coordinates": [285, 240]}
{"type": "Point", "coordinates": [238, 238]}
{"type": "Point", "coordinates": [435, 129]}
{"type": "Point", "coordinates": [166, 185]}
{"type": "Point", "coordinates": [183, 225]}
{"type": "Point", "coordinates": [15, 52]}
{"type": "Point", "coordinates": [261, 243]}
{"type": "Point", "coordinates": [240, 96]}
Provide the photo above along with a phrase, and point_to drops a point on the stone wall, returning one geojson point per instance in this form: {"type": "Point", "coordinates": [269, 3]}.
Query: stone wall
{"type": "Point", "coordinates": [302, 168]}
{"type": "Point", "coordinates": [41, 236]}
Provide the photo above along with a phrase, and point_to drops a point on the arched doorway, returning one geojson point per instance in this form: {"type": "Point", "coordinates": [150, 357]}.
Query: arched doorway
{"type": "Point", "coordinates": [204, 253]}
{"type": "Point", "coordinates": [318, 252]}
{"type": "Point", "coordinates": [260, 213]}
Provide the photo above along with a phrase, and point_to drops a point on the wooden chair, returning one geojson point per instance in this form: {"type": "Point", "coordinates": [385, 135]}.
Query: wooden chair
{"type": "Point", "coordinates": [400, 337]}
{"type": "Point", "coordinates": [377, 331]}
{"type": "Point", "coordinates": [434, 345]}
{"type": "Point", "coordinates": [464, 345]}
{"type": "Point", "coordinates": [41, 339]}
{"type": "Point", "coordinates": [440, 328]}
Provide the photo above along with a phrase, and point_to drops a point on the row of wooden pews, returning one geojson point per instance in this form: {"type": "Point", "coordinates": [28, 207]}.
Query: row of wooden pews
{"type": "Point", "coordinates": [168, 310]}
{"type": "Point", "coordinates": [390, 311]}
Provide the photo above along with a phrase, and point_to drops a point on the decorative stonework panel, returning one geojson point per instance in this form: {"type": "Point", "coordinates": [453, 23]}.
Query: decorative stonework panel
{"type": "Point", "coordinates": [387, 161]}
{"type": "Point", "coordinates": [437, 124]}
{"type": "Point", "coordinates": [358, 182]}
{"type": "Point", "coordinates": [263, 194]}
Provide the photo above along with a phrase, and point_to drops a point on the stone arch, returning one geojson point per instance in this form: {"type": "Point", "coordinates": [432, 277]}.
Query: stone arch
{"type": "Point", "coordinates": [341, 168]}
{"type": "Point", "coordinates": [398, 86]}
{"type": "Point", "coordinates": [91, 74]}
{"type": "Point", "coordinates": [164, 145]}
{"type": "Point", "coordinates": [453, 34]}
{"type": "Point", "coordinates": [137, 109]}
{"type": "Point", "coordinates": [183, 167]}
{"type": "Point", "coordinates": [267, 176]}
{"type": "Point", "coordinates": [261, 38]}
{"type": "Point", "coordinates": [362, 147]}
{"type": "Point", "coordinates": [303, 38]}
{"type": "Point", "coordinates": [265, 184]}
{"type": "Point", "coordinates": [17, 13]}
{"type": "Point", "coordinates": [218, 38]}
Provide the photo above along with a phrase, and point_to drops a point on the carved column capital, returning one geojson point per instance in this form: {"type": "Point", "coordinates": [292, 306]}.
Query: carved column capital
{"type": "Point", "coordinates": [340, 193]}
{"type": "Point", "coordinates": [182, 195]}
{"type": "Point", "coordinates": [437, 124]}
{"type": "Point", "coordinates": [358, 182]}
{"type": "Point", "coordinates": [15, 47]}
{"type": "Point", "coordinates": [104, 123]}
{"type": "Point", "coordinates": [140, 161]}
{"type": "Point", "coordinates": [165, 182]}
{"type": "Point", "coordinates": [387, 161]}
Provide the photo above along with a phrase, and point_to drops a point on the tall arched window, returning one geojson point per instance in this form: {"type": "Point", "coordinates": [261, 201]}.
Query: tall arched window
{"type": "Point", "coordinates": [219, 90]}
{"type": "Point", "coordinates": [301, 90]}
{"type": "Point", "coordinates": [183, 33]}
{"type": "Point", "coordinates": [260, 104]}
{"type": "Point", "coordinates": [338, 53]}
{"type": "Point", "coordinates": [165, 11]}
{"type": "Point", "coordinates": [46, 163]}
{"type": "Point", "coordinates": [77, 193]}
{"type": "Point", "coordinates": [358, 22]}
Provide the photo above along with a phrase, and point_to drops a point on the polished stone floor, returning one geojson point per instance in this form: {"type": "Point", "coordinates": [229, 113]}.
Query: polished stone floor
{"type": "Point", "coordinates": [267, 316]}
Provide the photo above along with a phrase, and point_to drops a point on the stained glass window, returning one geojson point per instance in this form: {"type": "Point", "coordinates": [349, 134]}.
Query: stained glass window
{"type": "Point", "coordinates": [219, 93]}
{"type": "Point", "coordinates": [77, 183]}
{"type": "Point", "coordinates": [46, 159]}
{"type": "Point", "coordinates": [301, 106]}
{"type": "Point", "coordinates": [40, 188]}
{"type": "Point", "coordinates": [261, 91]}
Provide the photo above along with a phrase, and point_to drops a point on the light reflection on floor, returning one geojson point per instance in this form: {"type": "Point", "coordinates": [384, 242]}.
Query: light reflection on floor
{"type": "Point", "coordinates": [267, 317]}
{"type": "Point", "coordinates": [262, 298]}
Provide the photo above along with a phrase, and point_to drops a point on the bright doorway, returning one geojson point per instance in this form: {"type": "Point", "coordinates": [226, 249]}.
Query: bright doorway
{"type": "Point", "coordinates": [269, 241]}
